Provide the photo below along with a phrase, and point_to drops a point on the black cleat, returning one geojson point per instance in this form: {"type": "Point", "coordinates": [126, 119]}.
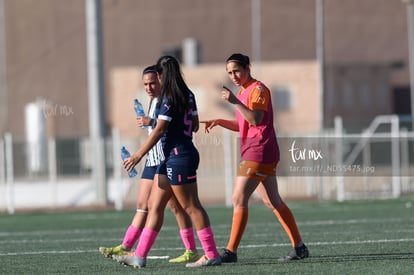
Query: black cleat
{"type": "Point", "coordinates": [228, 257]}
{"type": "Point", "coordinates": [297, 253]}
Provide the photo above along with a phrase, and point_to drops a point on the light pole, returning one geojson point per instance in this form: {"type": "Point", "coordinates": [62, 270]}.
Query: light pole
{"type": "Point", "coordinates": [410, 34]}
{"type": "Point", "coordinates": [320, 56]}
{"type": "Point", "coordinates": [256, 30]}
{"type": "Point", "coordinates": [96, 97]}
{"type": "Point", "coordinates": [3, 77]}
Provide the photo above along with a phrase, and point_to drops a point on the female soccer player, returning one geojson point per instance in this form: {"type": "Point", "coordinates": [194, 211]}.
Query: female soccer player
{"type": "Point", "coordinates": [259, 156]}
{"type": "Point", "coordinates": [154, 157]}
{"type": "Point", "coordinates": [176, 175]}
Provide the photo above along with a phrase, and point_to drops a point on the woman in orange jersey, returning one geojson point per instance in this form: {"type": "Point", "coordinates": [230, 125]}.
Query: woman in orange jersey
{"type": "Point", "coordinates": [259, 157]}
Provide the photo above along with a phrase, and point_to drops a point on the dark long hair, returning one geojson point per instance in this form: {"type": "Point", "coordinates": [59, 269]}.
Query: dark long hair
{"type": "Point", "coordinates": [173, 86]}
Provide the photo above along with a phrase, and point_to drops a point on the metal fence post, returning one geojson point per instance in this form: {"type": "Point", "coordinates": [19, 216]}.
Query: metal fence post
{"type": "Point", "coordinates": [52, 170]}
{"type": "Point", "coordinates": [8, 140]}
{"type": "Point", "coordinates": [2, 175]}
{"type": "Point", "coordinates": [228, 166]}
{"type": "Point", "coordinates": [395, 155]}
{"type": "Point", "coordinates": [340, 188]}
{"type": "Point", "coordinates": [116, 144]}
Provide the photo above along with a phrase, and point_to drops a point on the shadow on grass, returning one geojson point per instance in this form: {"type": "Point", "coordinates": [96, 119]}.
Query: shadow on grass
{"type": "Point", "coordinates": [333, 258]}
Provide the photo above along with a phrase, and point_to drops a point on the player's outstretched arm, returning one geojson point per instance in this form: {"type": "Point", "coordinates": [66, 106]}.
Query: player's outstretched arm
{"type": "Point", "coordinates": [228, 124]}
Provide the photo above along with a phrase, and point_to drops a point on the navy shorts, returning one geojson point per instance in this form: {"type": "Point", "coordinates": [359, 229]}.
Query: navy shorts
{"type": "Point", "coordinates": [180, 168]}
{"type": "Point", "coordinates": [149, 172]}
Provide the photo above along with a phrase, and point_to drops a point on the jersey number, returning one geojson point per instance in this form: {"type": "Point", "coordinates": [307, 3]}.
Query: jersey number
{"type": "Point", "coordinates": [188, 121]}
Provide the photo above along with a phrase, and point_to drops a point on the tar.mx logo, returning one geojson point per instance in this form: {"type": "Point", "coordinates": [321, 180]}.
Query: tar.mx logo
{"type": "Point", "coordinates": [304, 153]}
{"type": "Point", "coordinates": [50, 109]}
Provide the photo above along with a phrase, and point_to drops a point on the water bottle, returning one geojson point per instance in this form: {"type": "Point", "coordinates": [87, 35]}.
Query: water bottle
{"type": "Point", "coordinates": [124, 155]}
{"type": "Point", "coordinates": [139, 110]}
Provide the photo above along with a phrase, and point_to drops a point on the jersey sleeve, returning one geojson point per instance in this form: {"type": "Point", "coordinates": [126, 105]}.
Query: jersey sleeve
{"type": "Point", "coordinates": [193, 104]}
{"type": "Point", "coordinates": [165, 110]}
{"type": "Point", "coordinates": [259, 98]}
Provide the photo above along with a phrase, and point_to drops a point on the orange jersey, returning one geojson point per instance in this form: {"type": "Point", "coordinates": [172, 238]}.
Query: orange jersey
{"type": "Point", "coordinates": [257, 143]}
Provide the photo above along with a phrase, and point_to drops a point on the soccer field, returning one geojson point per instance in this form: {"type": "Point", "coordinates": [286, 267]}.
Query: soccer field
{"type": "Point", "coordinates": [357, 237]}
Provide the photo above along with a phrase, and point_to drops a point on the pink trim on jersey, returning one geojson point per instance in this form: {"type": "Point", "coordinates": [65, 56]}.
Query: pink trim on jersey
{"type": "Point", "coordinates": [257, 143]}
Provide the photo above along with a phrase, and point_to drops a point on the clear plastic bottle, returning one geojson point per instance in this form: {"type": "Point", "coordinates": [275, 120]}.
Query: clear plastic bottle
{"type": "Point", "coordinates": [139, 110]}
{"type": "Point", "coordinates": [124, 155]}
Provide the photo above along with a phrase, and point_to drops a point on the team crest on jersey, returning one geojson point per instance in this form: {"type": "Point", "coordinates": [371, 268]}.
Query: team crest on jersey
{"type": "Point", "coordinates": [261, 89]}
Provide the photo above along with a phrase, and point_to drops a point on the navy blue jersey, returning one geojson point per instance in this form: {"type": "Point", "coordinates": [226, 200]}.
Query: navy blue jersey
{"type": "Point", "coordinates": [180, 128]}
{"type": "Point", "coordinates": [193, 103]}
{"type": "Point", "coordinates": [181, 156]}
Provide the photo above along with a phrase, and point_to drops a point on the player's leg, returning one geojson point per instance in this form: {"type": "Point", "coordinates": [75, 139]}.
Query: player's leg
{"type": "Point", "coordinates": [269, 192]}
{"type": "Point", "coordinates": [187, 196]}
{"type": "Point", "coordinates": [244, 186]}
{"type": "Point", "coordinates": [186, 233]}
{"type": "Point", "coordinates": [183, 179]}
{"type": "Point", "coordinates": [134, 230]}
{"type": "Point", "coordinates": [138, 222]}
{"type": "Point", "coordinates": [160, 194]}
{"type": "Point", "coordinates": [242, 191]}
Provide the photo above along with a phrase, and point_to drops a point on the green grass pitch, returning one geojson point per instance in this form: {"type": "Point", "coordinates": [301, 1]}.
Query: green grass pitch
{"type": "Point", "coordinates": [355, 237]}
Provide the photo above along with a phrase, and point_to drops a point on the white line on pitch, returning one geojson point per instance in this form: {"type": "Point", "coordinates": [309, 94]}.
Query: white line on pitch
{"type": "Point", "coordinates": [174, 228]}
{"type": "Point", "coordinates": [242, 246]}
{"type": "Point", "coordinates": [65, 252]}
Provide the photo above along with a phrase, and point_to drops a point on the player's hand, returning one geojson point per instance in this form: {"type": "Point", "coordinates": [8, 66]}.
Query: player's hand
{"type": "Point", "coordinates": [228, 95]}
{"type": "Point", "coordinates": [209, 124]}
{"type": "Point", "coordinates": [143, 121]}
{"type": "Point", "coordinates": [131, 162]}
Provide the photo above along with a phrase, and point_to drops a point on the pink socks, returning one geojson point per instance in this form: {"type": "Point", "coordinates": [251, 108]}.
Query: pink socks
{"type": "Point", "coordinates": [206, 238]}
{"type": "Point", "coordinates": [131, 236]}
{"type": "Point", "coordinates": [187, 235]}
{"type": "Point", "coordinates": [146, 241]}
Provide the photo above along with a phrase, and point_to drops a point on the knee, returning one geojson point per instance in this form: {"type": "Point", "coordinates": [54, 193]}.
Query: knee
{"type": "Point", "coordinates": [273, 204]}
{"type": "Point", "coordinates": [142, 206]}
{"type": "Point", "coordinates": [193, 210]}
{"type": "Point", "coordinates": [239, 201]}
{"type": "Point", "coordinates": [173, 208]}
{"type": "Point", "coordinates": [269, 205]}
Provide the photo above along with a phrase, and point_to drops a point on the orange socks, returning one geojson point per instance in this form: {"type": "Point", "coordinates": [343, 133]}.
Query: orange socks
{"type": "Point", "coordinates": [240, 216]}
{"type": "Point", "coordinates": [284, 215]}
{"type": "Point", "coordinates": [288, 222]}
